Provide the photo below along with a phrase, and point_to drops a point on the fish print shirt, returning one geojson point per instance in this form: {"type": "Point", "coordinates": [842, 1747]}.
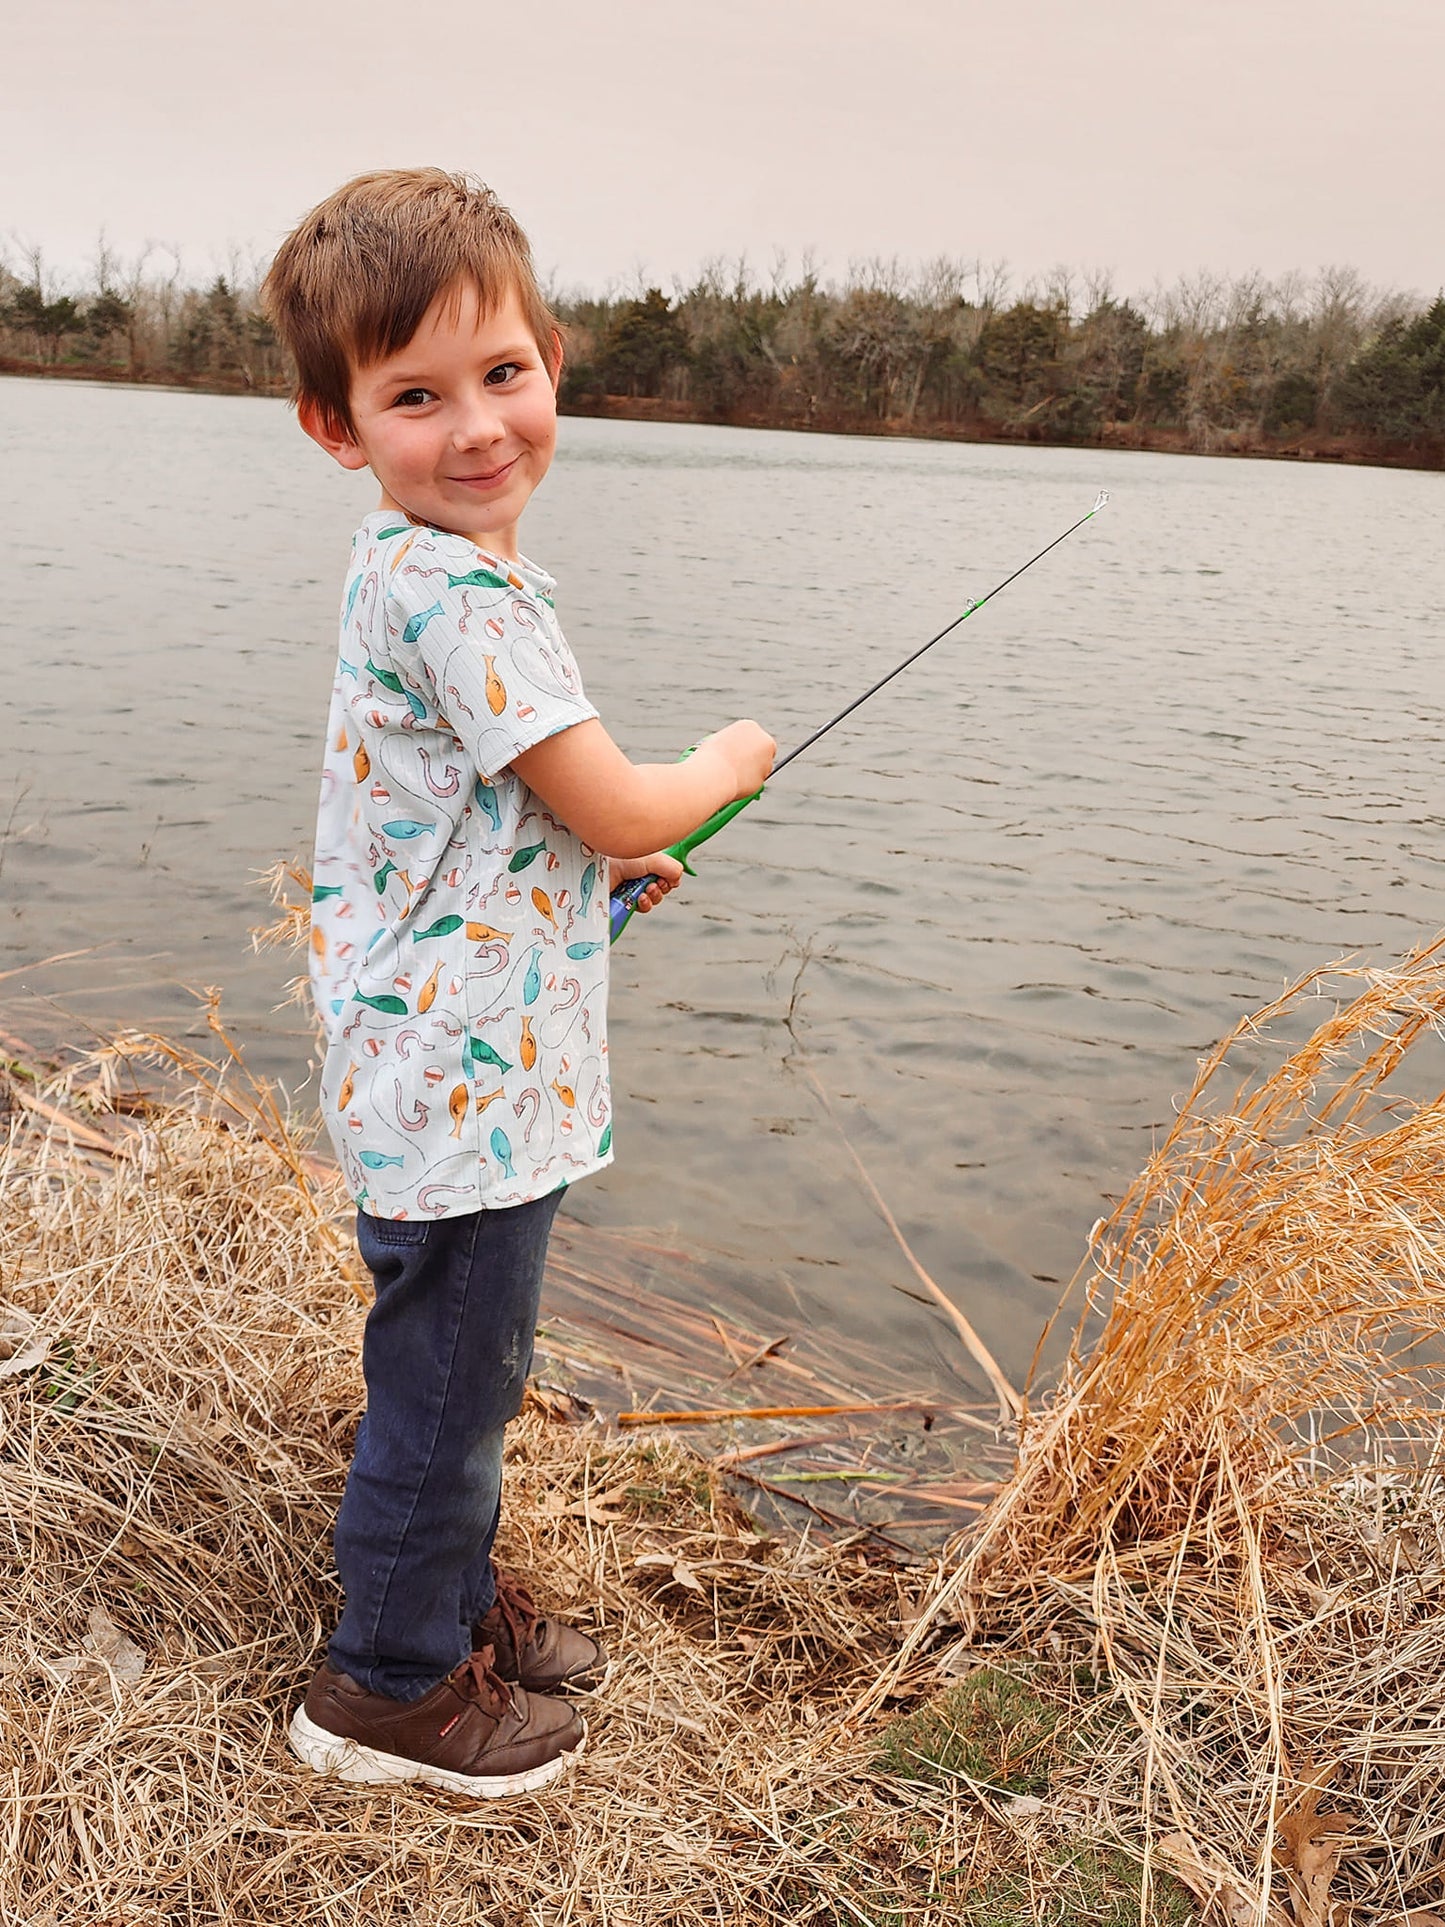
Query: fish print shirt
{"type": "Point", "coordinates": [458, 931]}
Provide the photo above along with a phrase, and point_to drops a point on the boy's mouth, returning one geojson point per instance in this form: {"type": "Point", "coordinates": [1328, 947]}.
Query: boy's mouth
{"type": "Point", "coordinates": [489, 478]}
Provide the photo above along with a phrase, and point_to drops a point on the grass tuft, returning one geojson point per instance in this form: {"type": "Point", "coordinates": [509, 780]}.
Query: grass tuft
{"type": "Point", "coordinates": [992, 1728]}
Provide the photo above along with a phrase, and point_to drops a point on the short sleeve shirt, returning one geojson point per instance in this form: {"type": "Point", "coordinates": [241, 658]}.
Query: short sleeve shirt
{"type": "Point", "coordinates": [459, 932]}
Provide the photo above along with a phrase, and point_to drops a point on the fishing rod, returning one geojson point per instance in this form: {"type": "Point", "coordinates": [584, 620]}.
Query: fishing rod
{"type": "Point", "coordinates": [626, 899]}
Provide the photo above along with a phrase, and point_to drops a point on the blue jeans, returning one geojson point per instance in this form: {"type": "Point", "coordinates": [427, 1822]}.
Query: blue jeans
{"type": "Point", "coordinates": [447, 1348]}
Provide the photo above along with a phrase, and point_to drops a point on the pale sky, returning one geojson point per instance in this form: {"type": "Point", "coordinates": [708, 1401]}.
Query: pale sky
{"type": "Point", "coordinates": [637, 138]}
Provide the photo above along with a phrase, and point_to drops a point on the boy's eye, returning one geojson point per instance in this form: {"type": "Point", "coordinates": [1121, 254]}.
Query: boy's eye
{"type": "Point", "coordinates": [503, 372]}
{"type": "Point", "coordinates": [412, 398]}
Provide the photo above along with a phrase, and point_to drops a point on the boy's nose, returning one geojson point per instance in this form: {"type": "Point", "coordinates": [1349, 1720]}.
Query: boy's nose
{"type": "Point", "coordinates": [478, 423]}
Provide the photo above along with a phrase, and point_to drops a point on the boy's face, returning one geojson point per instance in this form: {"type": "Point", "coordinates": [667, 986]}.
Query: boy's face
{"type": "Point", "coordinates": [459, 425]}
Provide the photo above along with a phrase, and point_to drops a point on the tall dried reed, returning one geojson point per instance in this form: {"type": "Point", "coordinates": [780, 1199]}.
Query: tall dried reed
{"type": "Point", "coordinates": [1234, 1489]}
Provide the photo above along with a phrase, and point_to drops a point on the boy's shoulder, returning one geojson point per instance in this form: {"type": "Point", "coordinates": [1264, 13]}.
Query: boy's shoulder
{"type": "Point", "coordinates": [408, 553]}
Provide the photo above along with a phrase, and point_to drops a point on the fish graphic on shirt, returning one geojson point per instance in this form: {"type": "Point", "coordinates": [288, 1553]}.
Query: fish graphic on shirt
{"type": "Point", "coordinates": [484, 579]}
{"type": "Point", "coordinates": [532, 983]}
{"type": "Point", "coordinates": [486, 797]}
{"type": "Point", "coordinates": [479, 1051]}
{"type": "Point", "coordinates": [502, 1151]}
{"type": "Point", "coordinates": [419, 622]}
{"type": "Point", "coordinates": [542, 904]}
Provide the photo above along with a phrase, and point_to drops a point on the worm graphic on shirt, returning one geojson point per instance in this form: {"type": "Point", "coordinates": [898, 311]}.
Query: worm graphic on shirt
{"type": "Point", "coordinates": [529, 1101]}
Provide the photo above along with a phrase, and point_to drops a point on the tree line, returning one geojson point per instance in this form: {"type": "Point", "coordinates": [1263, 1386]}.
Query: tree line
{"type": "Point", "coordinates": [1308, 364]}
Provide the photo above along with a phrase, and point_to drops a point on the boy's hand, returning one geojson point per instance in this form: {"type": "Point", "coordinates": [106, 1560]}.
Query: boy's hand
{"type": "Point", "coordinates": [666, 869]}
{"type": "Point", "coordinates": [748, 752]}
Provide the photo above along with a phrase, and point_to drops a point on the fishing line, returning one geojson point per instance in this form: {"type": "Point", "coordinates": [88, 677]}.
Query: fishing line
{"type": "Point", "coordinates": [908, 661]}
{"type": "Point", "coordinates": [625, 900]}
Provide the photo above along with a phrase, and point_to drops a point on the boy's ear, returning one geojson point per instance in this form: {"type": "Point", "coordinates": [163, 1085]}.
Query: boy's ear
{"type": "Point", "coordinates": [557, 358]}
{"type": "Point", "coordinates": [324, 429]}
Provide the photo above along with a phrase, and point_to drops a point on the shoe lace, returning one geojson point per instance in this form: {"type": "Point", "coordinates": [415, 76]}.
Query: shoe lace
{"type": "Point", "coordinates": [518, 1610]}
{"type": "Point", "coordinates": [476, 1679]}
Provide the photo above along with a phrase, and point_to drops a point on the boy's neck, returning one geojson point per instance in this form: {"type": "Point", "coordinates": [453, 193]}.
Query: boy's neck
{"type": "Point", "coordinates": [499, 542]}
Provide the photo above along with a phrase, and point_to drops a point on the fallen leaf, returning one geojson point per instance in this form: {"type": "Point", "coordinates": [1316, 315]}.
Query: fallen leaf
{"type": "Point", "coordinates": [596, 1508]}
{"type": "Point", "coordinates": [1315, 1860]}
{"type": "Point", "coordinates": [1308, 1845]}
{"type": "Point", "coordinates": [1212, 1881]}
{"type": "Point", "coordinates": [680, 1572]}
{"type": "Point", "coordinates": [1022, 1806]}
{"type": "Point", "coordinates": [23, 1345]}
{"type": "Point", "coordinates": [104, 1645]}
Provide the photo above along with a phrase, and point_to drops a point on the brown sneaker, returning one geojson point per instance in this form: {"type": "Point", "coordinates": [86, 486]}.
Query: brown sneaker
{"type": "Point", "coordinates": [471, 1734]}
{"type": "Point", "coordinates": [543, 1655]}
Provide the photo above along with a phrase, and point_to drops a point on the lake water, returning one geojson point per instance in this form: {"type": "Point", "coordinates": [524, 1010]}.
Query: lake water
{"type": "Point", "coordinates": [1009, 904]}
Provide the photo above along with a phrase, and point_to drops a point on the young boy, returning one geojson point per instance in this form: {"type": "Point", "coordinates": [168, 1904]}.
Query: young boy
{"type": "Point", "coordinates": [459, 955]}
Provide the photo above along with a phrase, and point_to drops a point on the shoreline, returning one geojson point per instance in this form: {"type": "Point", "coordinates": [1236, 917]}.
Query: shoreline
{"type": "Point", "coordinates": [1353, 450]}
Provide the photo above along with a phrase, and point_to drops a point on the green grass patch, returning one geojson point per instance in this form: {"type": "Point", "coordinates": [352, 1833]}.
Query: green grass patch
{"type": "Point", "coordinates": [1086, 1887]}
{"type": "Point", "coordinates": [992, 1727]}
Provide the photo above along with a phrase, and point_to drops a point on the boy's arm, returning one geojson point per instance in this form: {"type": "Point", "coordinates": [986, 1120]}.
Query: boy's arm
{"type": "Point", "coordinates": [633, 809]}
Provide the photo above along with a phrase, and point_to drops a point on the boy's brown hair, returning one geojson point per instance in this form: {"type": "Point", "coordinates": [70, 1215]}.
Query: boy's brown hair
{"type": "Point", "coordinates": [351, 283]}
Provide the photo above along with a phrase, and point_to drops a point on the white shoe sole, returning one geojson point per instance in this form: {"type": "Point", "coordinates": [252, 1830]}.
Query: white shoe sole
{"type": "Point", "coordinates": [330, 1753]}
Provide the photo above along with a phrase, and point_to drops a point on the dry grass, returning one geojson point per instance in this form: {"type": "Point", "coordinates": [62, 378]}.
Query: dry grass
{"type": "Point", "coordinates": [171, 1474]}
{"type": "Point", "coordinates": [1233, 1498]}
{"type": "Point", "coordinates": [1231, 1511]}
